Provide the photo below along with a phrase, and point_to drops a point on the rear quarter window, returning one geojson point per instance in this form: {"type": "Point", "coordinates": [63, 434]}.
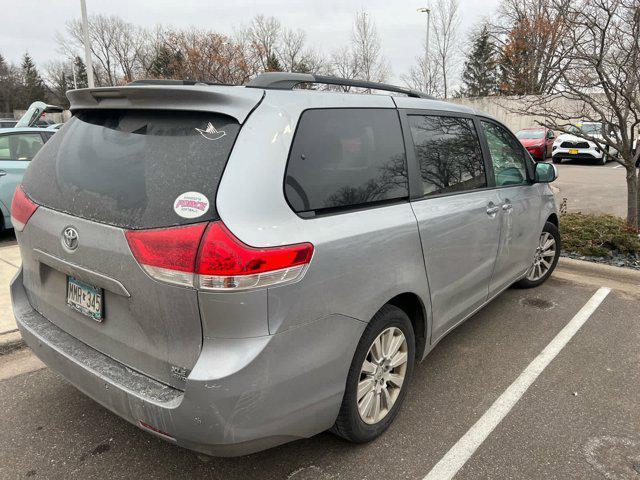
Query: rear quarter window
{"type": "Point", "coordinates": [127, 167]}
{"type": "Point", "coordinates": [346, 158]}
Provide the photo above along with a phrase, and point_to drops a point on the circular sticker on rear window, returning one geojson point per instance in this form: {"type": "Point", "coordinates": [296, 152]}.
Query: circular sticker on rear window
{"type": "Point", "coordinates": [191, 205]}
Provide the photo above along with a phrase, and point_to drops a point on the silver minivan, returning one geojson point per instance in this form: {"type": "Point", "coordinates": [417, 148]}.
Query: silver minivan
{"type": "Point", "coordinates": [232, 268]}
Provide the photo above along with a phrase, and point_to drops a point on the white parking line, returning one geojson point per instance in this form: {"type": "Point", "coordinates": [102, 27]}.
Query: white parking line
{"type": "Point", "coordinates": [464, 448]}
{"type": "Point", "coordinates": [618, 166]}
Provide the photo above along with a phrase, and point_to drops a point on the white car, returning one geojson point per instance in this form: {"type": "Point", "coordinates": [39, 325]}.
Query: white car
{"type": "Point", "coordinates": [572, 146]}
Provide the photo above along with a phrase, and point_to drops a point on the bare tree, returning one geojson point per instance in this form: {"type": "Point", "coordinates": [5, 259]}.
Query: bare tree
{"type": "Point", "coordinates": [344, 63]}
{"type": "Point", "coordinates": [58, 76]}
{"type": "Point", "coordinates": [446, 23]}
{"type": "Point", "coordinates": [119, 48]}
{"type": "Point", "coordinates": [424, 76]}
{"type": "Point", "coordinates": [263, 35]}
{"type": "Point", "coordinates": [602, 82]}
{"type": "Point", "coordinates": [367, 49]}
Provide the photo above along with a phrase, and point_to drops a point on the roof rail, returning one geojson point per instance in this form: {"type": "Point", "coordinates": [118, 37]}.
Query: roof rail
{"type": "Point", "coordinates": [162, 82]}
{"type": "Point", "coordinates": [172, 82]}
{"type": "Point", "coordinates": [287, 81]}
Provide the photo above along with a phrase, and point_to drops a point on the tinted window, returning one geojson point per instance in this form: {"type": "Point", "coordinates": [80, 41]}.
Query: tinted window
{"type": "Point", "coordinates": [22, 146]}
{"type": "Point", "coordinates": [345, 158]}
{"type": "Point", "coordinates": [509, 161]}
{"type": "Point", "coordinates": [127, 168]}
{"type": "Point", "coordinates": [448, 153]}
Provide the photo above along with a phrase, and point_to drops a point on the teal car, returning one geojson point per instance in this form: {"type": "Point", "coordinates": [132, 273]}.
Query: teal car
{"type": "Point", "coordinates": [17, 147]}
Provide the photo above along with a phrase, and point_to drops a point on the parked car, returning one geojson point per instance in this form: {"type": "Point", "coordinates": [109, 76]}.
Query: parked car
{"type": "Point", "coordinates": [574, 145]}
{"type": "Point", "coordinates": [233, 268]}
{"type": "Point", "coordinates": [18, 146]}
{"type": "Point", "coordinates": [538, 141]}
{"type": "Point", "coordinates": [7, 123]}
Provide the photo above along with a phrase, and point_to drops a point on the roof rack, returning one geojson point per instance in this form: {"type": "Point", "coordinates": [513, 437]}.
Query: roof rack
{"type": "Point", "coordinates": [162, 82]}
{"type": "Point", "coordinates": [173, 82]}
{"type": "Point", "coordinates": [287, 81]}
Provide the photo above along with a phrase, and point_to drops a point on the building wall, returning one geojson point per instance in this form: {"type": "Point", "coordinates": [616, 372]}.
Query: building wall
{"type": "Point", "coordinates": [506, 109]}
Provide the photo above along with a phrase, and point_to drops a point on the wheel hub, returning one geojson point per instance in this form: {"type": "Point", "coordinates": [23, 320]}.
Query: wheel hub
{"type": "Point", "coordinates": [382, 375]}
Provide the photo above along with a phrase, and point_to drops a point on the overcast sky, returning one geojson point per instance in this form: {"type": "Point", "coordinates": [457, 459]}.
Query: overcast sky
{"type": "Point", "coordinates": [30, 25]}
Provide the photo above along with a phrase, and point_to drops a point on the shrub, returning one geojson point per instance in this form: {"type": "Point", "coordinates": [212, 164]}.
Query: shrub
{"type": "Point", "coordinates": [597, 235]}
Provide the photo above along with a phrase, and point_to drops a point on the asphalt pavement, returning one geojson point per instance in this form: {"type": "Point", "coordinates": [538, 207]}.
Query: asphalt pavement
{"type": "Point", "coordinates": [592, 188]}
{"type": "Point", "coordinates": [578, 420]}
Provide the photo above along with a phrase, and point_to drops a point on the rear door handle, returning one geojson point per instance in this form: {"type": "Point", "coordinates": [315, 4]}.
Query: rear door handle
{"type": "Point", "coordinates": [492, 210]}
{"type": "Point", "coordinates": [507, 207]}
{"type": "Point", "coordinates": [2, 173]}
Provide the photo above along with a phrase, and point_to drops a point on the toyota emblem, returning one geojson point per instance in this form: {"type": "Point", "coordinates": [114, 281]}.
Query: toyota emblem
{"type": "Point", "coordinates": [70, 238]}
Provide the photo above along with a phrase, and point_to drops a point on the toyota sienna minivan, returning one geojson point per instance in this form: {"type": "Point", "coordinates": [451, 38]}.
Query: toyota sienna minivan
{"type": "Point", "coordinates": [232, 268]}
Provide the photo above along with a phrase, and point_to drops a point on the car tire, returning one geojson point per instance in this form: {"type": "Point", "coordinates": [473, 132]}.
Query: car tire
{"type": "Point", "coordinates": [351, 424]}
{"type": "Point", "coordinates": [533, 280]}
{"type": "Point", "coordinates": [556, 160]}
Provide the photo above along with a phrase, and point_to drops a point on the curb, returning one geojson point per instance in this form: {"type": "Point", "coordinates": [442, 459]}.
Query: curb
{"type": "Point", "coordinates": [619, 274]}
{"type": "Point", "coordinates": [10, 341]}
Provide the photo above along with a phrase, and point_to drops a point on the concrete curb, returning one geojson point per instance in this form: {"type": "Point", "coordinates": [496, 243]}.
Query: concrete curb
{"type": "Point", "coordinates": [592, 269]}
{"type": "Point", "coordinates": [10, 341]}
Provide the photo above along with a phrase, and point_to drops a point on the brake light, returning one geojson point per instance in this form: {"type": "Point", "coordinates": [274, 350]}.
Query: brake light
{"type": "Point", "coordinates": [21, 209]}
{"type": "Point", "coordinates": [210, 257]}
{"type": "Point", "coordinates": [225, 262]}
{"type": "Point", "coordinates": [167, 254]}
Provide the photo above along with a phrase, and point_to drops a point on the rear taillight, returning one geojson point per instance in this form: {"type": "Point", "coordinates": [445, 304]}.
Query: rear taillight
{"type": "Point", "coordinates": [168, 254]}
{"type": "Point", "coordinates": [21, 209]}
{"type": "Point", "coordinates": [210, 257]}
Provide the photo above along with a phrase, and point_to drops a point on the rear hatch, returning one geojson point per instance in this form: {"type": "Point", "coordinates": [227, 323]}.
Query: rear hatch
{"type": "Point", "coordinates": [107, 172]}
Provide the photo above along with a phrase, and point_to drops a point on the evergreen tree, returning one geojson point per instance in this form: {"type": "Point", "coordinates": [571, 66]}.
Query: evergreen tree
{"type": "Point", "coordinates": [4, 87]}
{"type": "Point", "coordinates": [32, 85]}
{"type": "Point", "coordinates": [273, 64]}
{"type": "Point", "coordinates": [10, 87]}
{"type": "Point", "coordinates": [166, 63]}
{"type": "Point", "coordinates": [480, 68]}
{"type": "Point", "coordinates": [81, 73]}
{"type": "Point", "coordinates": [517, 61]}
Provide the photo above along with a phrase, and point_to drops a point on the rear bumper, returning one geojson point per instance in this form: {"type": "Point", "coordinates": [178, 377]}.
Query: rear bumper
{"type": "Point", "coordinates": [242, 396]}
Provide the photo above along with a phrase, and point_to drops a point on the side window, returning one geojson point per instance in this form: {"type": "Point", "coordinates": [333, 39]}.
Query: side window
{"type": "Point", "coordinates": [20, 146]}
{"type": "Point", "coordinates": [346, 158]}
{"type": "Point", "coordinates": [5, 153]}
{"type": "Point", "coordinates": [448, 152]}
{"type": "Point", "coordinates": [507, 155]}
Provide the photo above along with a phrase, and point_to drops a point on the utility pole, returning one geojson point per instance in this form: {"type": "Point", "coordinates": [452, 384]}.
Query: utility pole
{"type": "Point", "coordinates": [87, 48]}
{"type": "Point", "coordinates": [426, 45]}
{"type": "Point", "coordinates": [73, 69]}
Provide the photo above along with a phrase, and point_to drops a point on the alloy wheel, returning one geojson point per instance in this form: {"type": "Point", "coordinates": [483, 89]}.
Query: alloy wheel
{"type": "Point", "coordinates": [543, 259]}
{"type": "Point", "coordinates": [382, 375]}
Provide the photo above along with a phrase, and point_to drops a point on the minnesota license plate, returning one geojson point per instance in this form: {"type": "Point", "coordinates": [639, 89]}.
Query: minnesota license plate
{"type": "Point", "coordinates": [84, 298]}
{"type": "Point", "coordinates": [573, 152]}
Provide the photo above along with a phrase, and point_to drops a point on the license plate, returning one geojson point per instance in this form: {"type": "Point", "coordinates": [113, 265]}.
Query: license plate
{"type": "Point", "coordinates": [84, 298]}
{"type": "Point", "coordinates": [573, 151]}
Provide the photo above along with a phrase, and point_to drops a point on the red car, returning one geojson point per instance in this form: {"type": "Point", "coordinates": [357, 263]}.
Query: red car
{"type": "Point", "coordinates": [538, 141]}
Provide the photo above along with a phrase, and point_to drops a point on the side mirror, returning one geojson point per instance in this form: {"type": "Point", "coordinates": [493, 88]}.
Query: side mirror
{"type": "Point", "coordinates": [545, 173]}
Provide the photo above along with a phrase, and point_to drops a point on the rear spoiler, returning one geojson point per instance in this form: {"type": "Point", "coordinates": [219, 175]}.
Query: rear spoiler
{"type": "Point", "coordinates": [237, 102]}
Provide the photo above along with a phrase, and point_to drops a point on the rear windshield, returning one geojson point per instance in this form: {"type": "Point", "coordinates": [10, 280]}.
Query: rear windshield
{"type": "Point", "coordinates": [134, 169]}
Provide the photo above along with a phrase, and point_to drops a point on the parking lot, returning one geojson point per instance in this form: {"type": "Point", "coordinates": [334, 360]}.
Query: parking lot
{"type": "Point", "coordinates": [592, 188]}
{"type": "Point", "coordinates": [579, 418]}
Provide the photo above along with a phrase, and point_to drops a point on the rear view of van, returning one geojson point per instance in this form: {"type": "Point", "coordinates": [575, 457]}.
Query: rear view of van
{"type": "Point", "coordinates": [232, 268]}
